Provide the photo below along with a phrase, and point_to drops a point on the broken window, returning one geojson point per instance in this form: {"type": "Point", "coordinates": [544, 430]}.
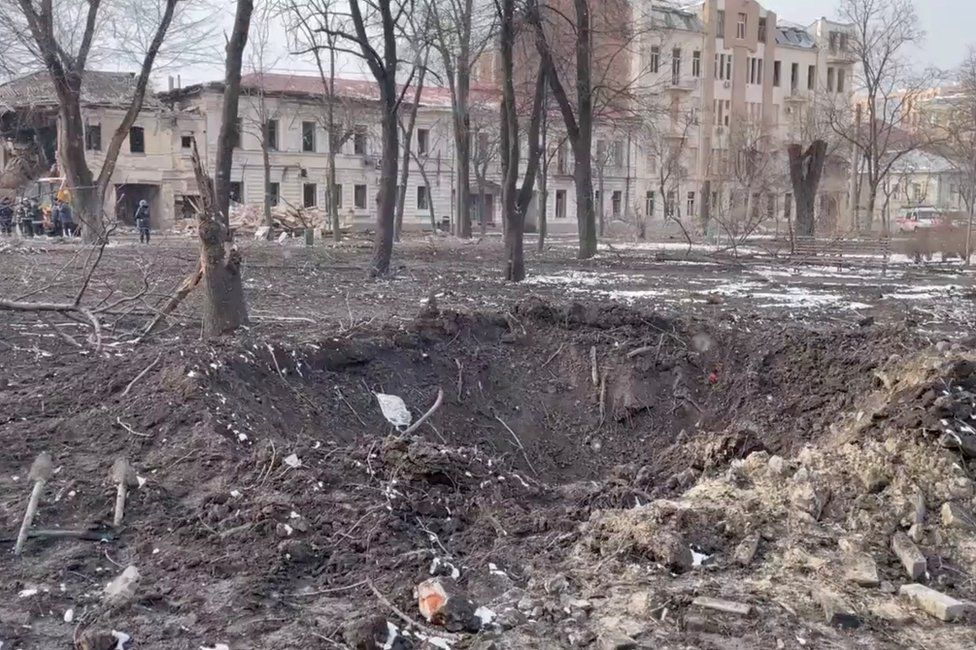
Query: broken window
{"type": "Point", "coordinates": [360, 197]}
{"type": "Point", "coordinates": [616, 201]}
{"type": "Point", "coordinates": [137, 140]}
{"type": "Point", "coordinates": [337, 195]}
{"type": "Point", "coordinates": [186, 141]}
{"type": "Point", "coordinates": [359, 141]}
{"type": "Point", "coordinates": [423, 197]}
{"type": "Point", "coordinates": [93, 137]}
{"type": "Point", "coordinates": [237, 191]}
{"type": "Point", "coordinates": [274, 193]}
{"type": "Point", "coordinates": [308, 136]}
{"type": "Point", "coordinates": [271, 132]}
{"type": "Point", "coordinates": [423, 141]}
{"type": "Point", "coordinates": [310, 195]}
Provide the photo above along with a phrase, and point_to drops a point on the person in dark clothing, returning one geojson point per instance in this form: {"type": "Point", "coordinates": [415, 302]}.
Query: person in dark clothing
{"type": "Point", "coordinates": [6, 217]}
{"type": "Point", "coordinates": [36, 217]}
{"type": "Point", "coordinates": [142, 221]}
{"type": "Point", "coordinates": [67, 219]}
{"type": "Point", "coordinates": [56, 224]}
{"type": "Point", "coordinates": [24, 219]}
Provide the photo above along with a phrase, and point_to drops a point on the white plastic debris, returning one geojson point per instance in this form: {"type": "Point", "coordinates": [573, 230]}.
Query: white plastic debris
{"type": "Point", "coordinates": [140, 480]}
{"type": "Point", "coordinates": [485, 615]}
{"type": "Point", "coordinates": [236, 494]}
{"type": "Point", "coordinates": [293, 461]}
{"type": "Point", "coordinates": [697, 559]}
{"type": "Point", "coordinates": [69, 615]}
{"type": "Point", "coordinates": [121, 638]}
{"type": "Point", "coordinates": [27, 593]}
{"type": "Point", "coordinates": [394, 410]}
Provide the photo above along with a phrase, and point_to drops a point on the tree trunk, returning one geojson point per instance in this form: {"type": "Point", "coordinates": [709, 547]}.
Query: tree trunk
{"type": "Point", "coordinates": [78, 176]}
{"type": "Point", "coordinates": [331, 197]}
{"type": "Point", "coordinates": [224, 307]}
{"type": "Point", "coordinates": [407, 144]}
{"type": "Point", "coordinates": [482, 207]}
{"type": "Point", "coordinates": [543, 203]}
{"type": "Point", "coordinates": [868, 221]}
{"type": "Point", "coordinates": [806, 169]}
{"type": "Point", "coordinates": [229, 130]}
{"type": "Point", "coordinates": [266, 162]}
{"type": "Point", "coordinates": [386, 209]}
{"type": "Point", "coordinates": [601, 210]}
{"type": "Point", "coordinates": [401, 201]}
{"type": "Point", "coordinates": [585, 218]}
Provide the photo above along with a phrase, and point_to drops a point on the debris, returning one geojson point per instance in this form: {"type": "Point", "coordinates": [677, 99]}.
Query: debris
{"type": "Point", "coordinates": [873, 478]}
{"type": "Point", "coordinates": [777, 466]}
{"type": "Point", "coordinates": [745, 552]}
{"type": "Point", "coordinates": [955, 516]}
{"type": "Point", "coordinates": [69, 615]}
{"type": "Point", "coordinates": [911, 558]}
{"type": "Point", "coordinates": [27, 593]}
{"type": "Point", "coordinates": [837, 611]}
{"type": "Point", "coordinates": [891, 612]}
{"type": "Point", "coordinates": [293, 461]}
{"type": "Point", "coordinates": [100, 640]}
{"type": "Point", "coordinates": [934, 603]}
{"type": "Point", "coordinates": [218, 646]}
{"type": "Point", "coordinates": [124, 477]}
{"type": "Point", "coordinates": [616, 641]}
{"type": "Point", "coordinates": [394, 410]}
{"type": "Point", "coordinates": [123, 588]}
{"type": "Point", "coordinates": [862, 570]}
{"type": "Point", "coordinates": [40, 472]}
{"type": "Point", "coordinates": [442, 603]}
{"type": "Point", "coordinates": [724, 606]}
{"type": "Point", "coordinates": [426, 416]}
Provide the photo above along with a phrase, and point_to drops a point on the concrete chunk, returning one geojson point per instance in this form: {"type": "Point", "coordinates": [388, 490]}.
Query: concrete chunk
{"type": "Point", "coordinates": [724, 606]}
{"type": "Point", "coordinates": [955, 516]}
{"type": "Point", "coordinates": [745, 552]}
{"type": "Point", "coordinates": [911, 558]}
{"type": "Point", "coordinates": [934, 603]}
{"type": "Point", "coordinates": [837, 611]}
{"type": "Point", "coordinates": [862, 570]}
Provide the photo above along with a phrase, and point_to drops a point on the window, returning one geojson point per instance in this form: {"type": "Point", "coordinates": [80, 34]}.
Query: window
{"type": "Point", "coordinates": [617, 154]}
{"type": "Point", "coordinates": [359, 141]}
{"type": "Point", "coordinates": [812, 77]}
{"type": "Point", "coordinates": [274, 193]}
{"type": "Point", "coordinates": [669, 204]}
{"type": "Point", "coordinates": [696, 64]}
{"type": "Point", "coordinates": [728, 67]}
{"type": "Point", "coordinates": [777, 72]}
{"type": "Point", "coordinates": [830, 80]}
{"type": "Point", "coordinates": [423, 197]}
{"type": "Point", "coordinates": [561, 165]}
{"type": "Point", "coordinates": [237, 192]}
{"type": "Point", "coordinates": [723, 67]}
{"type": "Point", "coordinates": [690, 206]}
{"type": "Point", "coordinates": [676, 65]}
{"type": "Point", "coordinates": [649, 204]}
{"type": "Point", "coordinates": [794, 76]}
{"type": "Point", "coordinates": [337, 195]}
{"type": "Point", "coordinates": [740, 26]}
{"type": "Point", "coordinates": [840, 80]}
{"type": "Point", "coordinates": [721, 23]}
{"type": "Point", "coordinates": [423, 141]}
{"type": "Point", "coordinates": [762, 30]}
{"type": "Point", "coordinates": [787, 205]}
{"type": "Point", "coordinates": [359, 197]}
{"type": "Point", "coordinates": [308, 136]}
{"type": "Point", "coordinates": [186, 141]}
{"type": "Point", "coordinates": [310, 195]}
{"type": "Point", "coordinates": [482, 145]}
{"type": "Point", "coordinates": [770, 206]}
{"type": "Point", "coordinates": [723, 110]}
{"type": "Point", "coordinates": [655, 63]}
{"type": "Point", "coordinates": [833, 41]}
{"type": "Point", "coordinates": [616, 202]}
{"type": "Point", "coordinates": [754, 71]}
{"type": "Point", "coordinates": [93, 137]}
{"type": "Point", "coordinates": [137, 140]}
{"type": "Point", "coordinates": [271, 134]}
{"type": "Point", "coordinates": [844, 42]}
{"type": "Point", "coordinates": [560, 204]}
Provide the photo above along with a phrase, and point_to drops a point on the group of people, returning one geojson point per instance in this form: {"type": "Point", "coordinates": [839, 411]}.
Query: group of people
{"type": "Point", "coordinates": [31, 220]}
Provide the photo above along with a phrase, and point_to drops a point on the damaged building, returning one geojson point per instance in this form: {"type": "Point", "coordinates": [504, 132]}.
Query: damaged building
{"type": "Point", "coordinates": [152, 165]}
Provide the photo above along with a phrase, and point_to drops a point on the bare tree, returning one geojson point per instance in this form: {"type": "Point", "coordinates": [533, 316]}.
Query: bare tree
{"type": "Point", "coordinates": [806, 169]}
{"type": "Point", "coordinates": [462, 29]}
{"type": "Point", "coordinates": [50, 36]}
{"type": "Point", "coordinates": [879, 129]}
{"type": "Point", "coordinates": [407, 130]}
{"type": "Point", "coordinates": [958, 134]}
{"type": "Point", "coordinates": [665, 132]}
{"type": "Point", "coordinates": [385, 21]}
{"type": "Point", "coordinates": [486, 153]}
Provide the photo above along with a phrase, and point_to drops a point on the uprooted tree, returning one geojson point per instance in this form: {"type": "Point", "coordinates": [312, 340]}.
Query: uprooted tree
{"type": "Point", "coordinates": [806, 170]}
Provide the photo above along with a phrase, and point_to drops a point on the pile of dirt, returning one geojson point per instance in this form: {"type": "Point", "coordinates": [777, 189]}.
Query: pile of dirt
{"type": "Point", "coordinates": [278, 507]}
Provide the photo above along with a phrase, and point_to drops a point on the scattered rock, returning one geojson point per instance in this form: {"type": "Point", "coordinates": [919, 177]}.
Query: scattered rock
{"type": "Point", "coordinates": [934, 603]}
{"type": "Point", "coordinates": [616, 641]}
{"type": "Point", "coordinates": [837, 611]}
{"type": "Point", "coordinates": [724, 606]}
{"type": "Point", "coordinates": [955, 516]}
{"type": "Point", "coordinates": [964, 443]}
{"type": "Point", "coordinates": [873, 478]}
{"type": "Point", "coordinates": [374, 633]}
{"type": "Point", "coordinates": [777, 466]}
{"type": "Point", "coordinates": [891, 612]}
{"type": "Point", "coordinates": [97, 640]}
{"type": "Point", "coordinates": [442, 603]}
{"type": "Point", "coordinates": [745, 552]}
{"type": "Point", "coordinates": [862, 570]}
{"type": "Point", "coordinates": [911, 558]}
{"type": "Point", "coordinates": [122, 589]}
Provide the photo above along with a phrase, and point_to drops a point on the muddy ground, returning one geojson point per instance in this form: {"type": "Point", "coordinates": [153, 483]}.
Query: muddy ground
{"type": "Point", "coordinates": [599, 423]}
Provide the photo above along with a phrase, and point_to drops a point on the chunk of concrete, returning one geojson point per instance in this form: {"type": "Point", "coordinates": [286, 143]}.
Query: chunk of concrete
{"type": "Point", "coordinates": [911, 558]}
{"type": "Point", "coordinates": [745, 552]}
{"type": "Point", "coordinates": [935, 603]}
{"type": "Point", "coordinates": [862, 570]}
{"type": "Point", "coordinates": [724, 606]}
{"type": "Point", "coordinates": [122, 588]}
{"type": "Point", "coordinates": [955, 516]}
{"type": "Point", "coordinates": [891, 612]}
{"type": "Point", "coordinates": [837, 611]}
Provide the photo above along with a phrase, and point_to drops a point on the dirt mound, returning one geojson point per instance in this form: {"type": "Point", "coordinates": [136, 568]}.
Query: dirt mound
{"type": "Point", "coordinates": [275, 497]}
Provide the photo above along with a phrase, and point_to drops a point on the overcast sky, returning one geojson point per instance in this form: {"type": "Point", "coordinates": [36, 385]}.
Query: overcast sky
{"type": "Point", "coordinates": [947, 23]}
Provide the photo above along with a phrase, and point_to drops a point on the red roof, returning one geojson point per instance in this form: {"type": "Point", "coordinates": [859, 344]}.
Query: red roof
{"type": "Point", "coordinates": [363, 89]}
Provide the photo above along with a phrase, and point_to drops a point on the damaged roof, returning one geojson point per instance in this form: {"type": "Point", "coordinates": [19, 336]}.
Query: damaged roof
{"type": "Point", "coordinates": [36, 90]}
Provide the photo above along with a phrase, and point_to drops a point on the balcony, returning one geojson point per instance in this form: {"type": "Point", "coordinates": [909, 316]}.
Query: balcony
{"type": "Point", "coordinates": [798, 96]}
{"type": "Point", "coordinates": [679, 85]}
{"type": "Point", "coordinates": [838, 55]}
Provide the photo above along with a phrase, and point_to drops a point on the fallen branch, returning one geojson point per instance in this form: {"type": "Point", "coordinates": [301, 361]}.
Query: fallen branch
{"type": "Point", "coordinates": [87, 535]}
{"type": "Point", "coordinates": [423, 418]}
{"type": "Point", "coordinates": [520, 445]}
{"type": "Point", "coordinates": [594, 369]}
{"type": "Point", "coordinates": [140, 376]}
{"type": "Point", "coordinates": [125, 426]}
{"type": "Point", "coordinates": [554, 355]}
{"type": "Point", "coordinates": [188, 284]}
